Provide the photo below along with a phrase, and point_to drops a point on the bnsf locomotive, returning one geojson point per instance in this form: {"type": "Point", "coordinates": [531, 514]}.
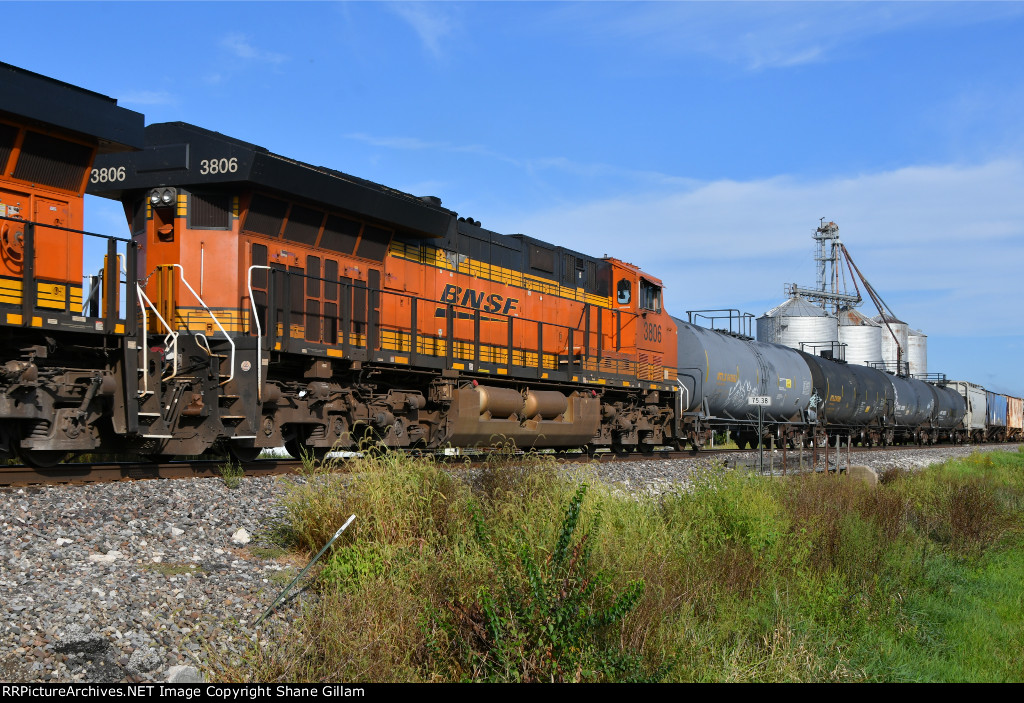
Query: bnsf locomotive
{"type": "Point", "coordinates": [301, 306]}
{"type": "Point", "coordinates": [262, 302]}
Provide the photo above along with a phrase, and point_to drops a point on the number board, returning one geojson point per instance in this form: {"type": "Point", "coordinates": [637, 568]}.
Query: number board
{"type": "Point", "coordinates": [763, 400]}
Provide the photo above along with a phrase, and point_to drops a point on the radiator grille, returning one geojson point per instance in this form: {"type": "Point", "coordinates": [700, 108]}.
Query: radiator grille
{"type": "Point", "coordinates": [52, 162]}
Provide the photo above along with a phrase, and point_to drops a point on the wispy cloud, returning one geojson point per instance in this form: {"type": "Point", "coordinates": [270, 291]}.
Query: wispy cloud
{"type": "Point", "coordinates": [533, 165]}
{"type": "Point", "coordinates": [241, 46]}
{"type": "Point", "coordinates": [434, 23]}
{"type": "Point", "coordinates": [760, 36]}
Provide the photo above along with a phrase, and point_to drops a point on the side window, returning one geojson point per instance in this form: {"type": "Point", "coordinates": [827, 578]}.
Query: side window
{"type": "Point", "coordinates": [650, 296]}
{"type": "Point", "coordinates": [623, 292]}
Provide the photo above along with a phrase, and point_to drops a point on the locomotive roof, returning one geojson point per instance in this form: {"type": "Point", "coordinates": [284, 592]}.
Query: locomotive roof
{"type": "Point", "coordinates": [181, 154]}
{"type": "Point", "coordinates": [29, 95]}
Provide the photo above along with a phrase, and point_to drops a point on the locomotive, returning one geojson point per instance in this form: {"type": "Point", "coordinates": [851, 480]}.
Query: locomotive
{"type": "Point", "coordinates": [260, 302]}
{"type": "Point", "coordinates": [341, 312]}
{"type": "Point", "coordinates": [65, 353]}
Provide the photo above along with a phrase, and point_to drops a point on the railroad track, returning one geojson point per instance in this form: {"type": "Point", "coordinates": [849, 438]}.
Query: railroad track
{"type": "Point", "coordinates": [13, 476]}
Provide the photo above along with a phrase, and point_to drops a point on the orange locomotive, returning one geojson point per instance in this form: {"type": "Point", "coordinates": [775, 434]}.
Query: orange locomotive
{"type": "Point", "coordinates": [62, 354]}
{"type": "Point", "coordinates": [317, 309]}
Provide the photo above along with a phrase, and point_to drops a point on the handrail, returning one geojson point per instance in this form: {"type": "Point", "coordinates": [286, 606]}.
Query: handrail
{"type": "Point", "coordinates": [171, 334]}
{"type": "Point", "coordinates": [212, 317]}
{"type": "Point", "coordinates": [259, 335]}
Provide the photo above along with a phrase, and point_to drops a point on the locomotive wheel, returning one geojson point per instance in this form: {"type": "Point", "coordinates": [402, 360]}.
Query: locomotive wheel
{"type": "Point", "coordinates": [294, 447]}
{"type": "Point", "coordinates": [244, 454]}
{"type": "Point", "coordinates": [42, 458]}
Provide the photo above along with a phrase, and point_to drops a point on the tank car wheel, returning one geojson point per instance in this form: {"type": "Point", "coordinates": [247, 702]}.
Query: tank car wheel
{"type": "Point", "coordinates": [42, 458]}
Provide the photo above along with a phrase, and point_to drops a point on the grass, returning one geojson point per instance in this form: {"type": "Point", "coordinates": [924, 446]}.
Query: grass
{"type": "Point", "coordinates": [522, 575]}
{"type": "Point", "coordinates": [231, 473]}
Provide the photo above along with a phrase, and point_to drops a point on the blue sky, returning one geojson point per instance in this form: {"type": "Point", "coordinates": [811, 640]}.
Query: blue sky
{"type": "Point", "coordinates": [701, 141]}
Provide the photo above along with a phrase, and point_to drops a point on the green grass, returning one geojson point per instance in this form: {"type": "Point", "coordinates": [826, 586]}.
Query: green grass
{"type": "Point", "coordinates": [231, 473]}
{"type": "Point", "coordinates": [524, 576]}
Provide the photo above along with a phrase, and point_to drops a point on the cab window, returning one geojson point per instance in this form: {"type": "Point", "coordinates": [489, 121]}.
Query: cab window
{"type": "Point", "coordinates": [650, 296]}
{"type": "Point", "coordinates": [623, 292]}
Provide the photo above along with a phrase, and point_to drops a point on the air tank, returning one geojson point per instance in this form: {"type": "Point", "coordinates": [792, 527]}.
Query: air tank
{"type": "Point", "coordinates": [861, 335]}
{"type": "Point", "coordinates": [900, 329]}
{"type": "Point", "coordinates": [917, 352]}
{"type": "Point", "coordinates": [719, 373]}
{"type": "Point", "coordinates": [796, 321]}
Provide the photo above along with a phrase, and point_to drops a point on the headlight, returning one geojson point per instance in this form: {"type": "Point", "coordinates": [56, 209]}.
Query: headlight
{"type": "Point", "coordinates": [167, 197]}
{"type": "Point", "coordinates": [154, 198]}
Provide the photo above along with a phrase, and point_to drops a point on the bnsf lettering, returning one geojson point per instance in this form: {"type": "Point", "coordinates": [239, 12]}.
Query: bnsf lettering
{"type": "Point", "coordinates": [480, 300]}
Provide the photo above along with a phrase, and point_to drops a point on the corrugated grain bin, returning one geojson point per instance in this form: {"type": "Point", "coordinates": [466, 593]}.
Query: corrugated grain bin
{"type": "Point", "coordinates": [917, 352]}
{"type": "Point", "coordinates": [796, 321]}
{"type": "Point", "coordinates": [901, 330]}
{"type": "Point", "coordinates": [1014, 413]}
{"type": "Point", "coordinates": [996, 405]}
{"type": "Point", "coordinates": [861, 335]}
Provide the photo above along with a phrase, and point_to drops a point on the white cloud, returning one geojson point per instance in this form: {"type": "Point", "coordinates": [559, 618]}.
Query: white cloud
{"type": "Point", "coordinates": [432, 22]}
{"type": "Point", "coordinates": [943, 244]}
{"type": "Point", "coordinates": [241, 46]}
{"type": "Point", "coordinates": [763, 35]}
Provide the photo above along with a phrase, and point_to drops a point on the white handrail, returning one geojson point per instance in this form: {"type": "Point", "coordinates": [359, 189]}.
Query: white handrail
{"type": "Point", "coordinates": [171, 335]}
{"type": "Point", "coordinates": [212, 317]}
{"type": "Point", "coordinates": [259, 336]}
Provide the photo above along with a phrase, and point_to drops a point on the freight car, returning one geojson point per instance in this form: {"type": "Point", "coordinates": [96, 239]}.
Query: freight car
{"type": "Point", "coordinates": [299, 305]}
{"type": "Point", "coordinates": [63, 353]}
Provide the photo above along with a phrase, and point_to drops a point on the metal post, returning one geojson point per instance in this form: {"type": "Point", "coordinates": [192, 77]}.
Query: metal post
{"type": "Point", "coordinates": [785, 446]}
{"type": "Point", "coordinates": [771, 455]}
{"type": "Point", "coordinates": [760, 439]}
{"type": "Point", "coordinates": [826, 456]}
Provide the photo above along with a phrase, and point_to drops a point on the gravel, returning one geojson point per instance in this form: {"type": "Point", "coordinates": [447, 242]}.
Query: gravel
{"type": "Point", "coordinates": [131, 581]}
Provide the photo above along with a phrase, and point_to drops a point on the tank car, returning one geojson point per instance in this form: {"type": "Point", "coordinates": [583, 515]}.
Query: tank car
{"type": "Point", "coordinates": [65, 369]}
{"type": "Point", "coordinates": [719, 372]}
{"type": "Point", "coordinates": [296, 304]}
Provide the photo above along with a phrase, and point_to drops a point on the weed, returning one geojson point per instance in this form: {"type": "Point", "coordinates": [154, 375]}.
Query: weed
{"type": "Point", "coordinates": [231, 473]}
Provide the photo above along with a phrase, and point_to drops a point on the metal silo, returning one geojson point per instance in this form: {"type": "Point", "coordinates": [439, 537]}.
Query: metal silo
{"type": "Point", "coordinates": [900, 329]}
{"type": "Point", "coordinates": [917, 352]}
{"type": "Point", "coordinates": [861, 335]}
{"type": "Point", "coordinates": [796, 321]}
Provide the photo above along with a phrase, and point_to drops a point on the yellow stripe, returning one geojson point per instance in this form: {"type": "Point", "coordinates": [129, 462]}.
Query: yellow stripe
{"type": "Point", "coordinates": [13, 318]}
{"type": "Point", "coordinates": [334, 352]}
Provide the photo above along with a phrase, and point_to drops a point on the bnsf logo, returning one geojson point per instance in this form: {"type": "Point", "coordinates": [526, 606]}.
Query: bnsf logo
{"type": "Point", "coordinates": [480, 300]}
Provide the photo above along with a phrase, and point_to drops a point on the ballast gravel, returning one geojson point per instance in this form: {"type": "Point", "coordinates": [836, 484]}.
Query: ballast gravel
{"type": "Point", "coordinates": [131, 581]}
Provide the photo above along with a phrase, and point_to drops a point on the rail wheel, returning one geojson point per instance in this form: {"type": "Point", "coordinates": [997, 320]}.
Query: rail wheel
{"type": "Point", "coordinates": [243, 453]}
{"type": "Point", "coordinates": [42, 458]}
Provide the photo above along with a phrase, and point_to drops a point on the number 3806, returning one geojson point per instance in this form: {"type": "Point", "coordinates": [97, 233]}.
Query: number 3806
{"type": "Point", "coordinates": [209, 166]}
